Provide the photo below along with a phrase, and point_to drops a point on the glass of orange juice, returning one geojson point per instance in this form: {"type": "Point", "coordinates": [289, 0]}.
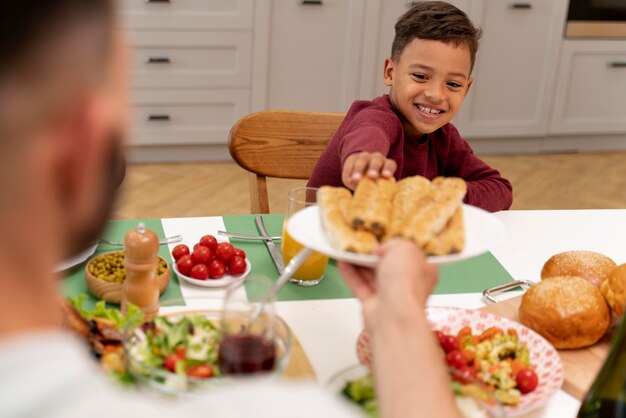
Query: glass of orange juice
{"type": "Point", "coordinates": [312, 271]}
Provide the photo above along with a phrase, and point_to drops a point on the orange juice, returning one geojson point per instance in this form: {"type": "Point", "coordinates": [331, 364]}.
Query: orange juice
{"type": "Point", "coordinates": [314, 266]}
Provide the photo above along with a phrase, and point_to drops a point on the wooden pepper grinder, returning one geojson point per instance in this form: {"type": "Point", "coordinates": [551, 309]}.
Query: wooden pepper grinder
{"type": "Point", "coordinates": [140, 288]}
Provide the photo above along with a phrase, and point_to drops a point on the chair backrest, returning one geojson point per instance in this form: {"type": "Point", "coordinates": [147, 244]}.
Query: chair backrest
{"type": "Point", "coordinates": [276, 143]}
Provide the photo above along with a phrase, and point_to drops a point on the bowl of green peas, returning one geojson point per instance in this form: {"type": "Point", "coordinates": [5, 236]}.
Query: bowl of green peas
{"type": "Point", "coordinates": [105, 275]}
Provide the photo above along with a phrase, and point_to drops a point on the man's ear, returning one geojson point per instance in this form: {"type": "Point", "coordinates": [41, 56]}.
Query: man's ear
{"type": "Point", "coordinates": [388, 72]}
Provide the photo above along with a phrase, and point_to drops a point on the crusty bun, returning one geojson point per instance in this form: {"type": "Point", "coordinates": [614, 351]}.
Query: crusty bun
{"type": "Point", "coordinates": [589, 265]}
{"type": "Point", "coordinates": [568, 311]}
{"type": "Point", "coordinates": [614, 290]}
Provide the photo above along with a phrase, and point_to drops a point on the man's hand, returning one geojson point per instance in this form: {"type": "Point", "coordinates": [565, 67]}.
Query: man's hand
{"type": "Point", "coordinates": [372, 165]}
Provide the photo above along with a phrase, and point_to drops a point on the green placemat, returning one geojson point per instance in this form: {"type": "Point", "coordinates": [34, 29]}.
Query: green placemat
{"type": "Point", "coordinates": [469, 276]}
{"type": "Point", "coordinates": [74, 282]}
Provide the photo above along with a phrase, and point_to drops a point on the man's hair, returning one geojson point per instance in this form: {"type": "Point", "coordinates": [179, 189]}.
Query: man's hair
{"type": "Point", "coordinates": [437, 21]}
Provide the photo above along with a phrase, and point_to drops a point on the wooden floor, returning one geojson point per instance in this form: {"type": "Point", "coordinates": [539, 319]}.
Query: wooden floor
{"type": "Point", "coordinates": [549, 181]}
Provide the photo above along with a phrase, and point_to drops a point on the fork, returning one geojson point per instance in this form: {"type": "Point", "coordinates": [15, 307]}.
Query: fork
{"type": "Point", "coordinates": [167, 240]}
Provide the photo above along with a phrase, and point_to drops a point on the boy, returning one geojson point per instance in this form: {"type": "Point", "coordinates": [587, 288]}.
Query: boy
{"type": "Point", "coordinates": [407, 132]}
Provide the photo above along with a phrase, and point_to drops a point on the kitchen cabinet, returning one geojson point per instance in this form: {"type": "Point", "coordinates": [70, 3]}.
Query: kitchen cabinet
{"type": "Point", "coordinates": [515, 68]}
{"type": "Point", "coordinates": [591, 88]}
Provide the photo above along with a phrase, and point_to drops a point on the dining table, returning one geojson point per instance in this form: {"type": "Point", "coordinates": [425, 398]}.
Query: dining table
{"type": "Point", "coordinates": [326, 318]}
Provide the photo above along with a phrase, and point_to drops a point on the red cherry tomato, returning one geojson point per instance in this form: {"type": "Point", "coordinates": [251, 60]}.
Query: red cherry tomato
{"type": "Point", "coordinates": [225, 251]}
{"type": "Point", "coordinates": [179, 251]}
{"type": "Point", "coordinates": [240, 253]}
{"type": "Point", "coordinates": [449, 343]}
{"type": "Point", "coordinates": [200, 371]}
{"type": "Point", "coordinates": [464, 375]}
{"type": "Point", "coordinates": [237, 265]}
{"type": "Point", "coordinates": [170, 362]}
{"type": "Point", "coordinates": [200, 272]}
{"type": "Point", "coordinates": [184, 265]}
{"type": "Point", "coordinates": [526, 380]}
{"type": "Point", "coordinates": [181, 352]}
{"type": "Point", "coordinates": [217, 269]}
{"type": "Point", "coordinates": [201, 255]}
{"type": "Point", "coordinates": [209, 241]}
{"type": "Point", "coordinates": [439, 336]}
{"type": "Point", "coordinates": [456, 359]}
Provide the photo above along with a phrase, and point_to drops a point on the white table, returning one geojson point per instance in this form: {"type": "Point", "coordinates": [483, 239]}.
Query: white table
{"type": "Point", "coordinates": [327, 329]}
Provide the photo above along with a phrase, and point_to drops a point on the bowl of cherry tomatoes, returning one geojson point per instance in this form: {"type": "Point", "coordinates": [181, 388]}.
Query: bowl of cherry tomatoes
{"type": "Point", "coordinates": [210, 263]}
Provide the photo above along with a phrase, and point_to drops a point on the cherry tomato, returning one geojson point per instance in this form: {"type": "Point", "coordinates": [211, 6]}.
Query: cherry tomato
{"type": "Point", "coordinates": [201, 371]}
{"type": "Point", "coordinates": [225, 251]}
{"type": "Point", "coordinates": [456, 359]}
{"type": "Point", "coordinates": [179, 251]}
{"type": "Point", "coordinates": [526, 380]}
{"type": "Point", "coordinates": [201, 255]}
{"type": "Point", "coordinates": [464, 375]}
{"type": "Point", "coordinates": [217, 269]}
{"type": "Point", "coordinates": [237, 265]}
{"type": "Point", "coordinates": [209, 241]}
{"type": "Point", "coordinates": [200, 272]}
{"type": "Point", "coordinates": [170, 362]}
{"type": "Point", "coordinates": [440, 336]}
{"type": "Point", "coordinates": [184, 265]}
{"type": "Point", "coordinates": [240, 253]}
{"type": "Point", "coordinates": [181, 352]}
{"type": "Point", "coordinates": [449, 343]}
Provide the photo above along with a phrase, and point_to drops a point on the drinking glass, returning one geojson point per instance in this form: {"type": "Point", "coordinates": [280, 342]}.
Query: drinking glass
{"type": "Point", "coordinates": [312, 271]}
{"type": "Point", "coordinates": [252, 338]}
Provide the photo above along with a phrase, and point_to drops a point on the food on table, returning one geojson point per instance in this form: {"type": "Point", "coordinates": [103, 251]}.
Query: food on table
{"type": "Point", "coordinates": [246, 353]}
{"type": "Point", "coordinates": [428, 213]}
{"type": "Point", "coordinates": [370, 207]}
{"type": "Point", "coordinates": [589, 265]}
{"type": "Point", "coordinates": [614, 291]}
{"type": "Point", "coordinates": [209, 259]}
{"type": "Point", "coordinates": [568, 311]}
{"type": "Point", "coordinates": [106, 273]}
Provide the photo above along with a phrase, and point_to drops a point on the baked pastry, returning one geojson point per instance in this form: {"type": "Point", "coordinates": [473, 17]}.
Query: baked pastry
{"type": "Point", "coordinates": [614, 291]}
{"type": "Point", "coordinates": [370, 208]}
{"type": "Point", "coordinates": [568, 311]}
{"type": "Point", "coordinates": [451, 240]}
{"type": "Point", "coordinates": [334, 205]}
{"type": "Point", "coordinates": [412, 193]}
{"type": "Point", "coordinates": [589, 265]}
{"type": "Point", "coordinates": [431, 219]}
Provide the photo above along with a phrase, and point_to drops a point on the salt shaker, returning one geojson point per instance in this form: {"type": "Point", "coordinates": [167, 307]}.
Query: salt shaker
{"type": "Point", "coordinates": [140, 288]}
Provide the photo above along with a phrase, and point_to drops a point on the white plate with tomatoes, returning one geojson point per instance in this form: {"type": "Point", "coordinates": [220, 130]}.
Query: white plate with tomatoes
{"type": "Point", "coordinates": [544, 359]}
{"type": "Point", "coordinates": [210, 264]}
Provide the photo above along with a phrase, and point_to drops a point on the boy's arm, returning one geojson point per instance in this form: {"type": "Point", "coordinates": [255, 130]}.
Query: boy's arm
{"type": "Point", "coordinates": [486, 188]}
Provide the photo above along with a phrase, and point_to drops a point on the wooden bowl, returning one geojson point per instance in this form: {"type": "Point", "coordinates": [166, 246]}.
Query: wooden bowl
{"type": "Point", "coordinates": [112, 292]}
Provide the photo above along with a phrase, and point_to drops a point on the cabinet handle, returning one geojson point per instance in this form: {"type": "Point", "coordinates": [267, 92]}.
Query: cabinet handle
{"type": "Point", "coordinates": [617, 64]}
{"type": "Point", "coordinates": [312, 2]}
{"type": "Point", "coordinates": [158, 1]}
{"type": "Point", "coordinates": [520, 6]}
{"type": "Point", "coordinates": [158, 60]}
{"type": "Point", "coordinates": [163, 117]}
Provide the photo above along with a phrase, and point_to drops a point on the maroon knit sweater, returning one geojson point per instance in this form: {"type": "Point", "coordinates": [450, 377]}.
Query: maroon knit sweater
{"type": "Point", "coordinates": [374, 126]}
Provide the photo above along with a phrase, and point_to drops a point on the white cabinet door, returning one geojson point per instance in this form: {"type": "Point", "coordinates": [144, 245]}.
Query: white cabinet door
{"type": "Point", "coordinates": [314, 54]}
{"type": "Point", "coordinates": [591, 88]}
{"type": "Point", "coordinates": [515, 68]}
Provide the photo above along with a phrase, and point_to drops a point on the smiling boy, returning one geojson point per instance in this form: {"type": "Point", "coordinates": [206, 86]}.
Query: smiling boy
{"type": "Point", "coordinates": [408, 131]}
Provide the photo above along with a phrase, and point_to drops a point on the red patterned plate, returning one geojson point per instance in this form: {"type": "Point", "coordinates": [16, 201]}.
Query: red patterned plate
{"type": "Point", "coordinates": [543, 355]}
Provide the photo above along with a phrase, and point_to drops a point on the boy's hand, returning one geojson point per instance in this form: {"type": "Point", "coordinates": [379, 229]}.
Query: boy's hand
{"type": "Point", "coordinates": [372, 165]}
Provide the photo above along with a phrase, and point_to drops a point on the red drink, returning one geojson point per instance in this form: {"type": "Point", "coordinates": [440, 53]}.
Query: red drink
{"type": "Point", "coordinates": [243, 353]}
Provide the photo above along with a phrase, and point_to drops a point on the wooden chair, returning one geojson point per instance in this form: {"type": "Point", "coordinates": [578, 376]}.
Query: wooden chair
{"type": "Point", "coordinates": [283, 144]}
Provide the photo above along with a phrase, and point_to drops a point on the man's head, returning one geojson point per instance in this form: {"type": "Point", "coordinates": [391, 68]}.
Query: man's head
{"type": "Point", "coordinates": [62, 84]}
{"type": "Point", "coordinates": [432, 56]}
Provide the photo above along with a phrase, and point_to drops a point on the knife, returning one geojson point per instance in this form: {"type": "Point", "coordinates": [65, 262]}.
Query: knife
{"type": "Point", "coordinates": [277, 257]}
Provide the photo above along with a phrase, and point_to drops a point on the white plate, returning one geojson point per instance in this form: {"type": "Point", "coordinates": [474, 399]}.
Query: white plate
{"type": "Point", "coordinates": [482, 230]}
{"type": "Point", "coordinates": [77, 259]}
{"type": "Point", "coordinates": [224, 281]}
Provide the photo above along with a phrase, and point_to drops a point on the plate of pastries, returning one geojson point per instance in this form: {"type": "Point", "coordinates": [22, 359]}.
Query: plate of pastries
{"type": "Point", "coordinates": [349, 226]}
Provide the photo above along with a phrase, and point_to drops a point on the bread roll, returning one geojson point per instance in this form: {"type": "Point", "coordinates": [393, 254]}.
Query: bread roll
{"type": "Point", "coordinates": [589, 265]}
{"type": "Point", "coordinates": [614, 291]}
{"type": "Point", "coordinates": [370, 208]}
{"type": "Point", "coordinates": [568, 311]}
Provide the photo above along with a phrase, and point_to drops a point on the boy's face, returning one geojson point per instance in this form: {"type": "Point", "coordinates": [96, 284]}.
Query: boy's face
{"type": "Point", "coordinates": [428, 83]}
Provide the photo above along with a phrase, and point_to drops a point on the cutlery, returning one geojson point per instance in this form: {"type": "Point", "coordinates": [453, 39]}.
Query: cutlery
{"type": "Point", "coordinates": [247, 237]}
{"type": "Point", "coordinates": [277, 257]}
{"type": "Point", "coordinates": [168, 240]}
